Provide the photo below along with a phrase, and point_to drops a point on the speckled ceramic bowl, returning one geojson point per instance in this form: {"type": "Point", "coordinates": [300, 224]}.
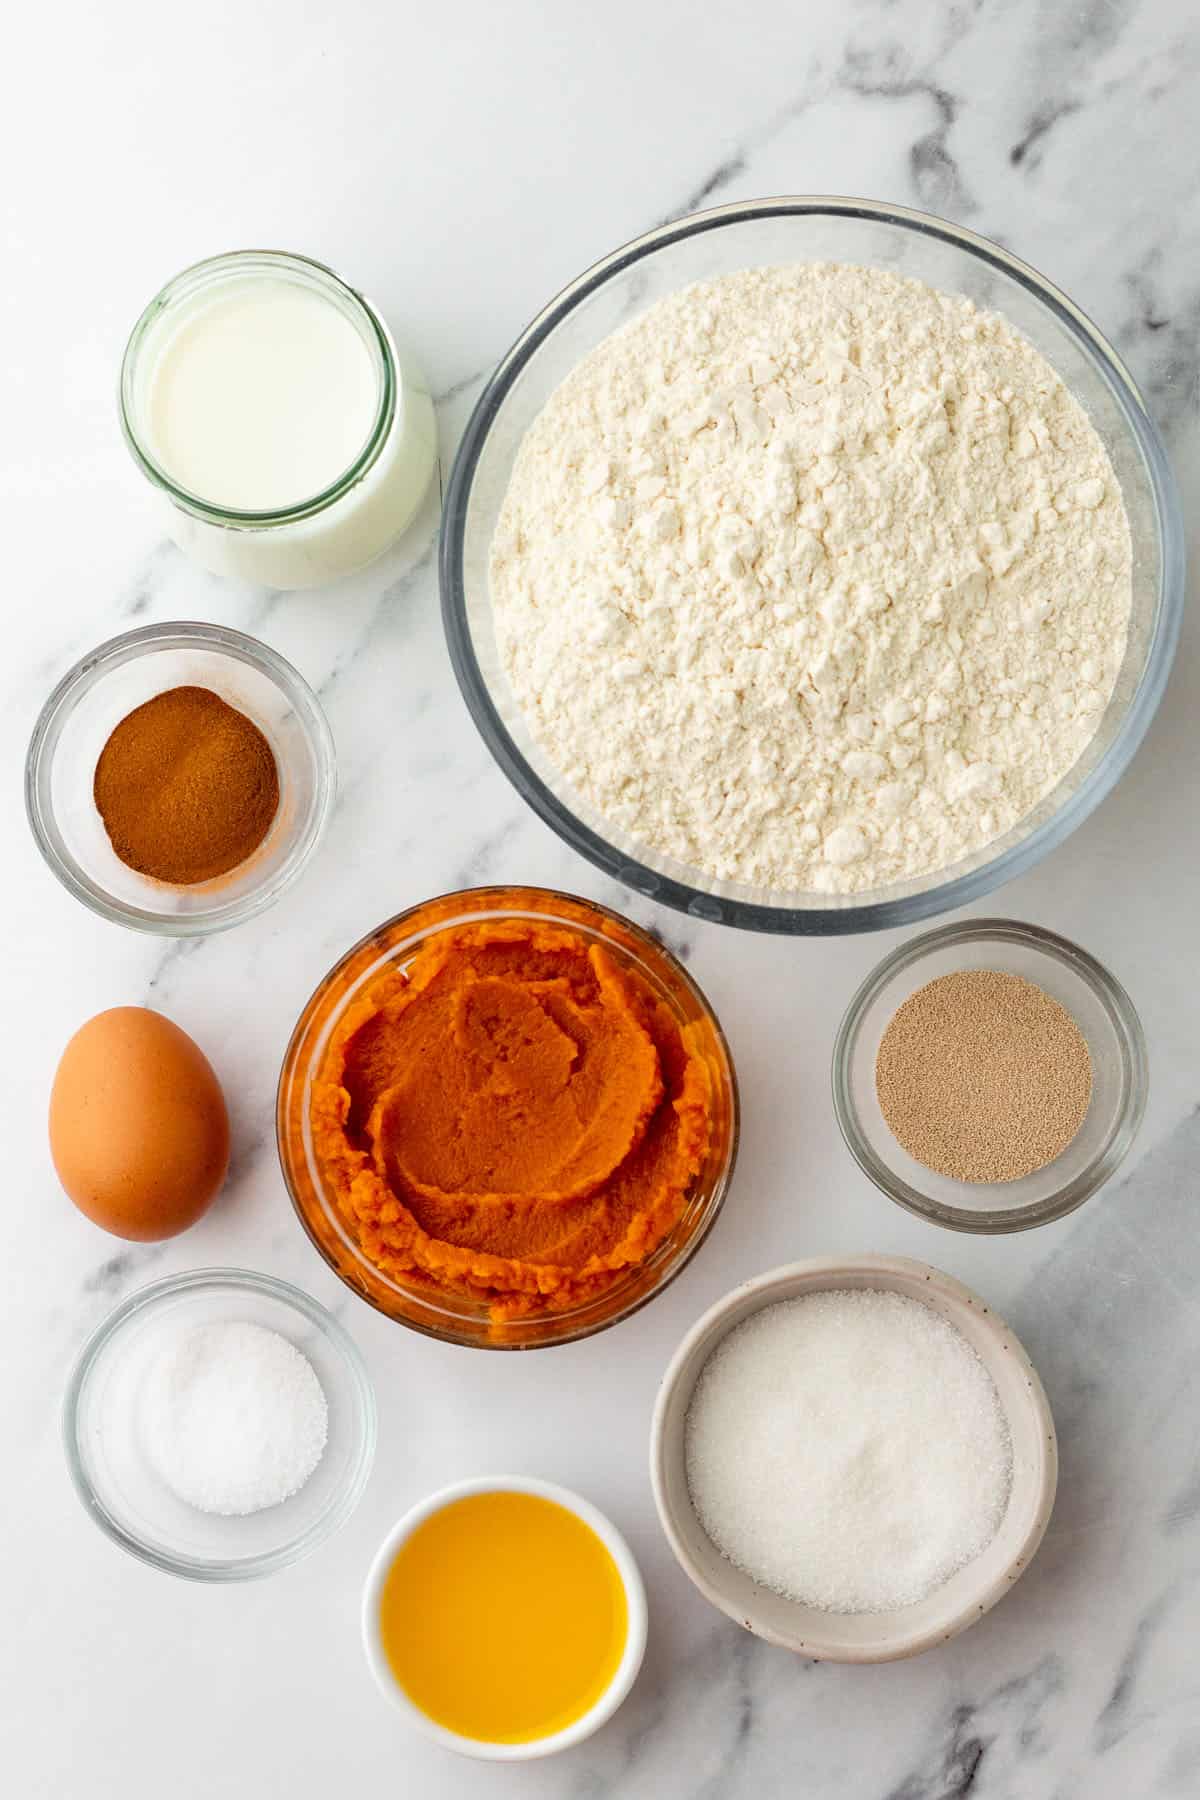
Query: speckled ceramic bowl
{"type": "Point", "coordinates": [862, 1637]}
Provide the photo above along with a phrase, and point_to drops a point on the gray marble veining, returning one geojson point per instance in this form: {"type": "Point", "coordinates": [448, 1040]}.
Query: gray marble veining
{"type": "Point", "coordinates": [461, 168]}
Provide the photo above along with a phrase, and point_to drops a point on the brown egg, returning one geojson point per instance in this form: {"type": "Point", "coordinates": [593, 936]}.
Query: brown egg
{"type": "Point", "coordinates": [138, 1127]}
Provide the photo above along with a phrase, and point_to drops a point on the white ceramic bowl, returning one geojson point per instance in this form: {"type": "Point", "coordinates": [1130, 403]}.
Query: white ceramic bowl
{"type": "Point", "coordinates": [862, 1637]}
{"type": "Point", "coordinates": [635, 1601]}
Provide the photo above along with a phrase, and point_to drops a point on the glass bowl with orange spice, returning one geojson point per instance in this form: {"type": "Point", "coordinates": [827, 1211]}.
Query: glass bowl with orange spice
{"type": "Point", "coordinates": [507, 1118]}
{"type": "Point", "coordinates": [179, 778]}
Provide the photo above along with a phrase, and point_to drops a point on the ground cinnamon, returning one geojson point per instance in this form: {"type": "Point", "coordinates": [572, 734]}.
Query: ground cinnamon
{"type": "Point", "coordinates": [187, 787]}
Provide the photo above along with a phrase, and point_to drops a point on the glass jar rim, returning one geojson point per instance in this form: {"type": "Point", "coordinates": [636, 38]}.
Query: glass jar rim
{"type": "Point", "coordinates": [210, 271]}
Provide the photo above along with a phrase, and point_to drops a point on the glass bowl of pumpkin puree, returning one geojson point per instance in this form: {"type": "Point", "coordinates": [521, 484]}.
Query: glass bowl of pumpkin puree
{"type": "Point", "coordinates": [507, 1118]}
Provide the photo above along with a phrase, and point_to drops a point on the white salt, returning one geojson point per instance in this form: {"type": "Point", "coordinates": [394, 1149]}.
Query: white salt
{"type": "Point", "coordinates": [848, 1450]}
{"type": "Point", "coordinates": [233, 1418]}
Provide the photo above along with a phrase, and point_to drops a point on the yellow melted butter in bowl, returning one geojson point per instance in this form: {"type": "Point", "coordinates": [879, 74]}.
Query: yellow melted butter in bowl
{"type": "Point", "coordinates": [503, 1617]}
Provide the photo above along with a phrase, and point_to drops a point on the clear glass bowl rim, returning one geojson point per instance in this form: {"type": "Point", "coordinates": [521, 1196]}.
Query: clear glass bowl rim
{"type": "Point", "coordinates": [1127, 1027]}
{"type": "Point", "coordinates": [448, 1334]}
{"type": "Point", "coordinates": [322, 1527]}
{"type": "Point", "coordinates": [871, 915]}
{"type": "Point", "coordinates": [126, 647]}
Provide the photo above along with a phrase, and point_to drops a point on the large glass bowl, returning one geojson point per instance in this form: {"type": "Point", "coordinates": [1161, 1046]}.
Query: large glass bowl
{"type": "Point", "coordinates": [803, 230]}
{"type": "Point", "coordinates": [392, 948]}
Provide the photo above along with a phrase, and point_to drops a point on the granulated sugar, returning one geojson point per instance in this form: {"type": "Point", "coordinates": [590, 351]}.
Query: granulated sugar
{"type": "Point", "coordinates": [233, 1418]}
{"type": "Point", "coordinates": [848, 1449]}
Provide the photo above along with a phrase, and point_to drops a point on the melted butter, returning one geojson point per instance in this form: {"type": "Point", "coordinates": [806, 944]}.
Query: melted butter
{"type": "Point", "coordinates": [503, 1617]}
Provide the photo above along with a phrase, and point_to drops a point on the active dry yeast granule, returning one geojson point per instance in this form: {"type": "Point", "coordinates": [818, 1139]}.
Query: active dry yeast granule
{"type": "Point", "coordinates": [983, 1077]}
{"type": "Point", "coordinates": [812, 578]}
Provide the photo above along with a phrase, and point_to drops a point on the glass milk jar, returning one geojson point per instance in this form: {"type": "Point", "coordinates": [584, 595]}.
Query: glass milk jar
{"type": "Point", "coordinates": [269, 405]}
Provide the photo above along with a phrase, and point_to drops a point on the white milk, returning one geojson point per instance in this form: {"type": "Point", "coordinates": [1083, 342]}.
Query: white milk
{"type": "Point", "coordinates": [261, 398]}
{"type": "Point", "coordinates": [270, 405]}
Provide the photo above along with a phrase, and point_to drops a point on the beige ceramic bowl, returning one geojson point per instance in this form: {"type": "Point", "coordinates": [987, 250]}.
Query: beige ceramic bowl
{"type": "Point", "coordinates": [862, 1637]}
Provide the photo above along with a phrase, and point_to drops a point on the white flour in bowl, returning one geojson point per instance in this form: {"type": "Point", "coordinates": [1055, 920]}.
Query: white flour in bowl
{"type": "Point", "coordinates": [813, 578]}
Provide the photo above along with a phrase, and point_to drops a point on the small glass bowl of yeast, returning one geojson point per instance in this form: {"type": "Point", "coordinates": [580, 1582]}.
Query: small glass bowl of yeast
{"type": "Point", "coordinates": [104, 688]}
{"type": "Point", "coordinates": [1099, 1007]}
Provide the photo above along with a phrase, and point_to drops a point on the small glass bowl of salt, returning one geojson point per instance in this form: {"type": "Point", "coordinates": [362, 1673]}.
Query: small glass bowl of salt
{"type": "Point", "coordinates": [219, 1425]}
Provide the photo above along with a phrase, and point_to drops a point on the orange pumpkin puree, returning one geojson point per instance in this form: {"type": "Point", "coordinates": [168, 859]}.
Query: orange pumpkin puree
{"type": "Point", "coordinates": [517, 1119]}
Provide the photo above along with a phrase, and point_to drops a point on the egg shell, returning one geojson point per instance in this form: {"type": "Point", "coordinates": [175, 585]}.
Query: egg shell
{"type": "Point", "coordinates": [139, 1132]}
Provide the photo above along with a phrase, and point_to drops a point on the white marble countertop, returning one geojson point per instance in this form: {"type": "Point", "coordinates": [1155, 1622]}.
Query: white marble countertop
{"type": "Point", "coordinates": [460, 164]}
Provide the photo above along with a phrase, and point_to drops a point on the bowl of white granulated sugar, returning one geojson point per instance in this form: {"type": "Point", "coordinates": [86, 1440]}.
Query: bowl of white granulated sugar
{"type": "Point", "coordinates": [812, 566]}
{"type": "Point", "coordinates": [853, 1459]}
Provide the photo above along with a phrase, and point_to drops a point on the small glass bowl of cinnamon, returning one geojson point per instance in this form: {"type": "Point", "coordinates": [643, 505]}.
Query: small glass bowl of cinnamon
{"type": "Point", "coordinates": [508, 1118]}
{"type": "Point", "coordinates": [216, 851]}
